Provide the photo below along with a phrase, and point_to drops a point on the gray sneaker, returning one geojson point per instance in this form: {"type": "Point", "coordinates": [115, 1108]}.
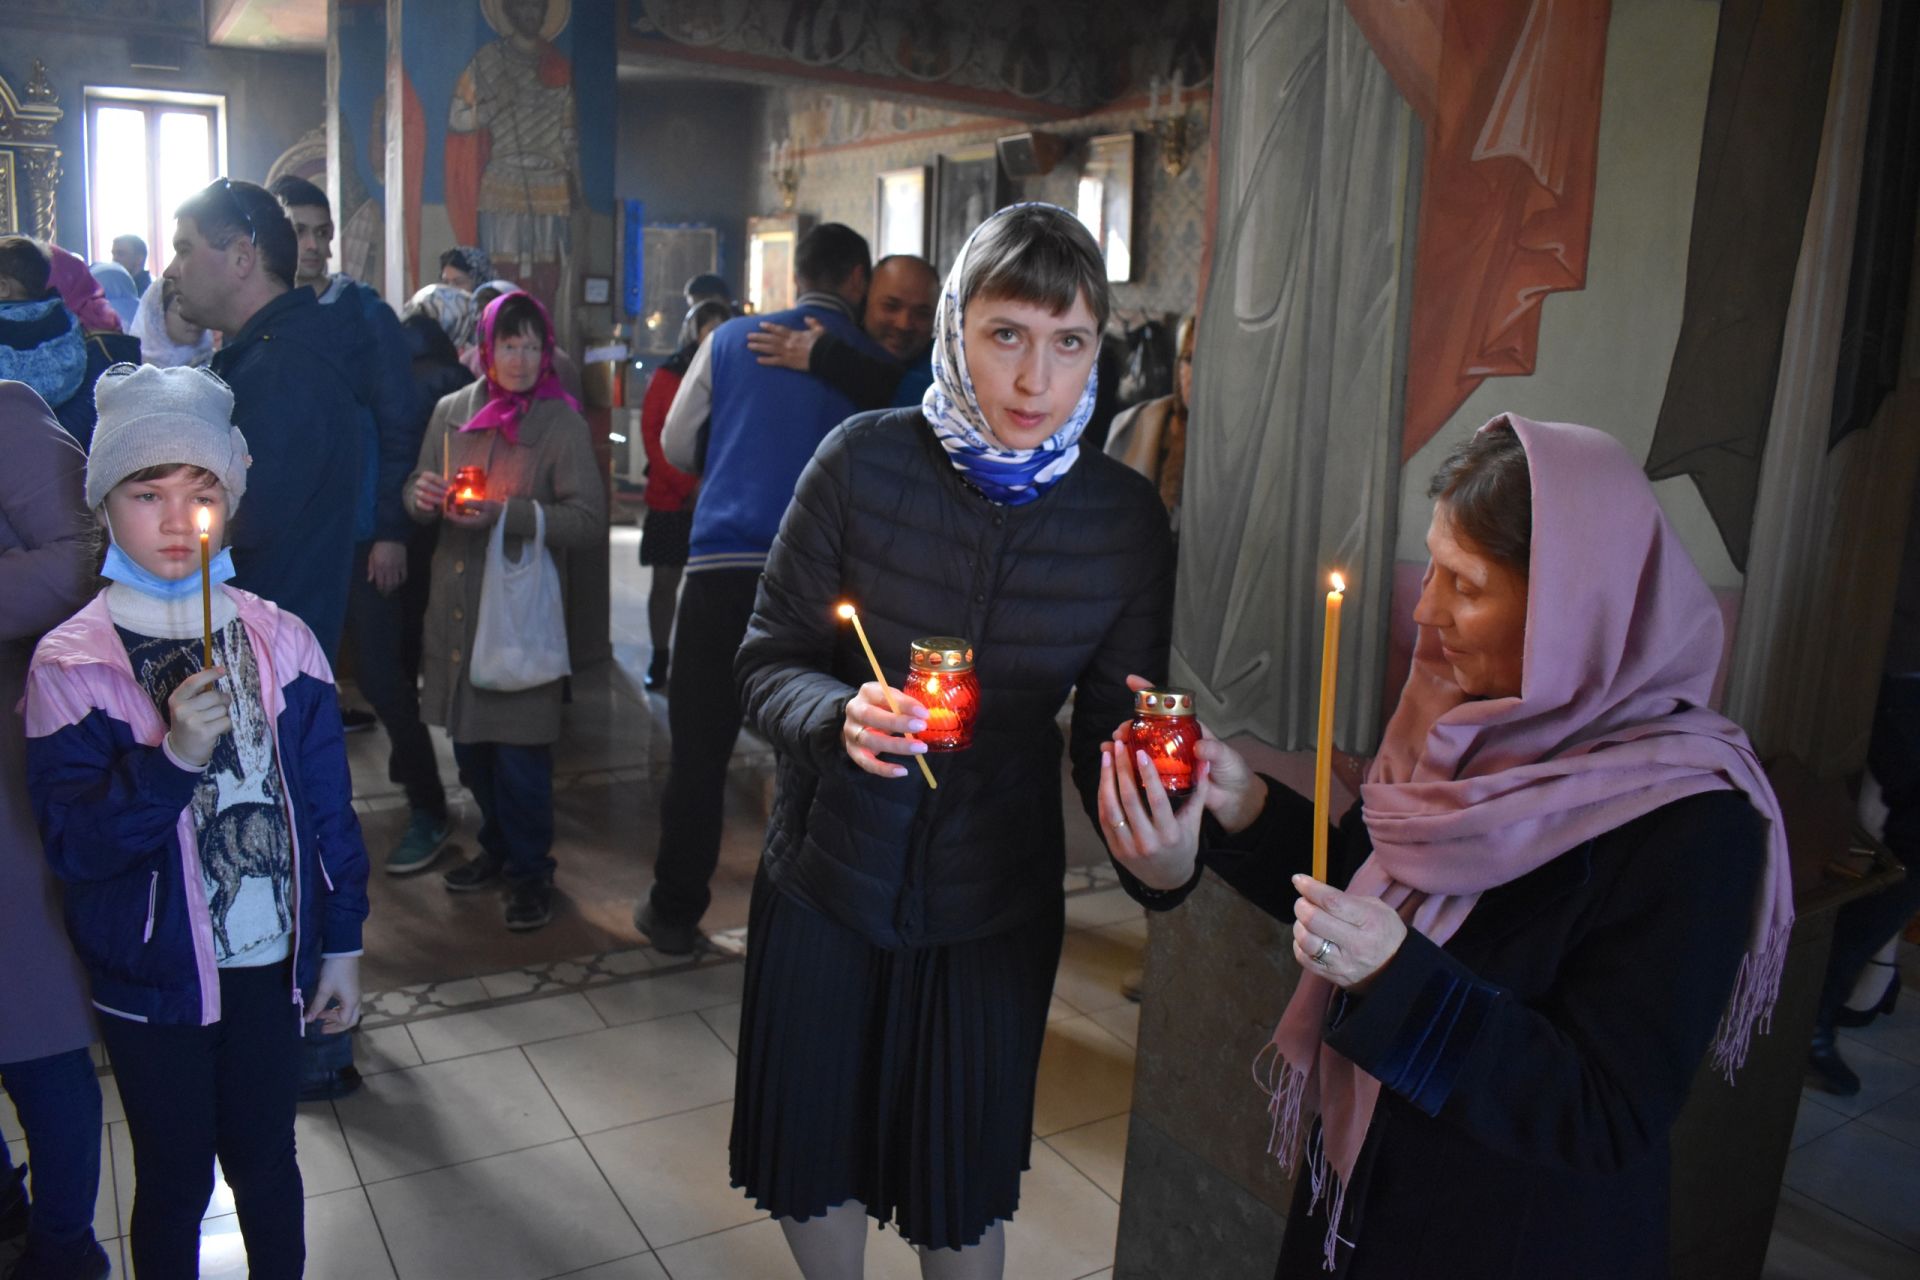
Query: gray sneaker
{"type": "Point", "coordinates": [418, 849]}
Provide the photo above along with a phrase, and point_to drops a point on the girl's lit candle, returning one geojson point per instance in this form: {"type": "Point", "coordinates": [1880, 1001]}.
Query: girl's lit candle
{"type": "Point", "coordinates": [852, 615]}
{"type": "Point", "coordinates": [204, 518]}
{"type": "Point", "coordinates": [1323, 748]}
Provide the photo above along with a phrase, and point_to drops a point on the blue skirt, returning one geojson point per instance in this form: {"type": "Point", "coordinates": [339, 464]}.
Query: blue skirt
{"type": "Point", "coordinates": [902, 1079]}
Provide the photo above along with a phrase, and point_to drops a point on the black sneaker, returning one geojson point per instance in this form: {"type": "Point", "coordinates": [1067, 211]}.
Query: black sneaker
{"type": "Point", "coordinates": [335, 1084]}
{"type": "Point", "coordinates": [667, 939]}
{"type": "Point", "coordinates": [356, 719]}
{"type": "Point", "coordinates": [477, 872]}
{"type": "Point", "coordinates": [529, 905]}
{"type": "Point", "coordinates": [657, 671]}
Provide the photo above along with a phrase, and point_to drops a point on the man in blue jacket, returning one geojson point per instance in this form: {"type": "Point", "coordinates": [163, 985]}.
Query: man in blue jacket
{"type": "Point", "coordinates": [763, 424]}
{"type": "Point", "coordinates": [233, 265]}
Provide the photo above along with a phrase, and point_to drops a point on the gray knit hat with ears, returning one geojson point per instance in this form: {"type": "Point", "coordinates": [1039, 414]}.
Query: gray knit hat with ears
{"type": "Point", "coordinates": [153, 417]}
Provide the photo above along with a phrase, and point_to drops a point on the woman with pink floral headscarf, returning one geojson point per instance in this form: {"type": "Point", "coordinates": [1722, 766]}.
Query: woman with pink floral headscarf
{"type": "Point", "coordinates": [1564, 885]}
{"type": "Point", "coordinates": [526, 433]}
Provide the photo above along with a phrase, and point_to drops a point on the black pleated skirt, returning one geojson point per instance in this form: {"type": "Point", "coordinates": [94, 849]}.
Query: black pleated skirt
{"type": "Point", "coordinates": [902, 1079]}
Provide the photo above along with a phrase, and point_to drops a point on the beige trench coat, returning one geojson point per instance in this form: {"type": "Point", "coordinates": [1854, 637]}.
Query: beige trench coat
{"type": "Point", "coordinates": [553, 464]}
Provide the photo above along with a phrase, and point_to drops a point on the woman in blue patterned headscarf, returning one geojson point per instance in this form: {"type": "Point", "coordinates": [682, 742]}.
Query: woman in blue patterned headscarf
{"type": "Point", "coordinates": [905, 938]}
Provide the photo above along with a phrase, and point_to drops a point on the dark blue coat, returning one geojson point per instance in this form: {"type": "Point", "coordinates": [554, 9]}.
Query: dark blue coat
{"type": "Point", "coordinates": [294, 399]}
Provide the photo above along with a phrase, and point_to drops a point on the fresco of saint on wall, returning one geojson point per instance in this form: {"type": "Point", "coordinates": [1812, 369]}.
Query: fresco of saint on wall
{"type": "Point", "coordinates": [513, 145]}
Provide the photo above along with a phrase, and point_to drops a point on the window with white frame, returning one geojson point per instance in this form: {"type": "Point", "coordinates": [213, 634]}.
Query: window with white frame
{"type": "Point", "coordinates": [147, 152]}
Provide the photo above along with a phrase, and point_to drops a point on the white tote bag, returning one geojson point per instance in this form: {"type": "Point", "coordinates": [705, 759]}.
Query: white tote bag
{"type": "Point", "coordinates": [520, 640]}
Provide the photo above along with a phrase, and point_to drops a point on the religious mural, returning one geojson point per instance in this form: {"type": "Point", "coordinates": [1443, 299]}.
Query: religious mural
{"type": "Point", "coordinates": [1509, 92]}
{"type": "Point", "coordinates": [1430, 213]}
{"type": "Point", "coordinates": [497, 124]}
{"type": "Point", "coordinates": [513, 144]}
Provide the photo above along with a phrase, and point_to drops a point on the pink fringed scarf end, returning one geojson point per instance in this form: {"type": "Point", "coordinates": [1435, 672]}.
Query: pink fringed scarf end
{"type": "Point", "coordinates": [1285, 1086]}
{"type": "Point", "coordinates": [1326, 1184]}
{"type": "Point", "coordinates": [1755, 988]}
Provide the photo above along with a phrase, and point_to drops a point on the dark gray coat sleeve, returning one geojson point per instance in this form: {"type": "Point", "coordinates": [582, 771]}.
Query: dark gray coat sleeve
{"type": "Point", "coordinates": [46, 547]}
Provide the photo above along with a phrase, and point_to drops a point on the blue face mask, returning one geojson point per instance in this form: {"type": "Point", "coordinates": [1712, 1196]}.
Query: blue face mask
{"type": "Point", "coordinates": [121, 567]}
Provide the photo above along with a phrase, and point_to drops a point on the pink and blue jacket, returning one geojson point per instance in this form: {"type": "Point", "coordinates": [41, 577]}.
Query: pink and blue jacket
{"type": "Point", "coordinates": [113, 810]}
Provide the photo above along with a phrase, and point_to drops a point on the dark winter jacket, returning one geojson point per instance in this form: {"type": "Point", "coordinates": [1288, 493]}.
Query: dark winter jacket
{"type": "Point", "coordinates": [115, 819]}
{"type": "Point", "coordinates": [1073, 591]}
{"type": "Point", "coordinates": [1534, 1066]}
{"type": "Point", "coordinates": [293, 398]}
{"type": "Point", "coordinates": [379, 363]}
{"type": "Point", "coordinates": [434, 364]}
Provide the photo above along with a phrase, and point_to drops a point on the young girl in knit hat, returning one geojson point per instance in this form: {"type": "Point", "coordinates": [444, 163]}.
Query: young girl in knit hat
{"type": "Point", "coordinates": [200, 816]}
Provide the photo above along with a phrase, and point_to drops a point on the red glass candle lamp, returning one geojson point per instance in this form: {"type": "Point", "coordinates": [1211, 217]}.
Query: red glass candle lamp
{"type": "Point", "coordinates": [469, 486]}
{"type": "Point", "coordinates": [941, 679]}
{"type": "Point", "coordinates": [1164, 727]}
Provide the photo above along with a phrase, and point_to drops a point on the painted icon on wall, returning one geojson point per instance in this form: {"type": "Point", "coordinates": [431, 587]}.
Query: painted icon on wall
{"type": "Point", "coordinates": [969, 188]}
{"type": "Point", "coordinates": [513, 144]}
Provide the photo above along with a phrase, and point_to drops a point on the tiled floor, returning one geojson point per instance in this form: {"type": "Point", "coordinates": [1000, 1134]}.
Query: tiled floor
{"type": "Point", "coordinates": [561, 1108]}
{"type": "Point", "coordinates": [584, 1133]}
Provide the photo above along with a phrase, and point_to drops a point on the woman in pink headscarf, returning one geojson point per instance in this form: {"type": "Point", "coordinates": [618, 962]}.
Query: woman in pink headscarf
{"type": "Point", "coordinates": [81, 292]}
{"type": "Point", "coordinates": [527, 435]}
{"type": "Point", "coordinates": [1565, 884]}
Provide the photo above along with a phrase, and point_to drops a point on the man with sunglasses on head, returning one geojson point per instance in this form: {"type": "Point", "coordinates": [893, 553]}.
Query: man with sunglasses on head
{"type": "Point", "coordinates": [234, 260]}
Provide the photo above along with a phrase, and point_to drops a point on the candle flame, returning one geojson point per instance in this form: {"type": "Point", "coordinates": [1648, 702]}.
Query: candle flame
{"type": "Point", "coordinates": [845, 611]}
{"type": "Point", "coordinates": [1172, 750]}
{"type": "Point", "coordinates": [933, 684]}
{"type": "Point", "coordinates": [1339, 583]}
{"type": "Point", "coordinates": [204, 518]}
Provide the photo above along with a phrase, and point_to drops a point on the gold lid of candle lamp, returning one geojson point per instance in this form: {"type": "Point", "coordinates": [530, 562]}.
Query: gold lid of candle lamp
{"type": "Point", "coordinates": [942, 653]}
{"type": "Point", "coordinates": [1163, 702]}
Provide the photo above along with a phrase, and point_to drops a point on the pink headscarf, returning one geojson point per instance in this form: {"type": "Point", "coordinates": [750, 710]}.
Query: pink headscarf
{"type": "Point", "coordinates": [1623, 638]}
{"type": "Point", "coordinates": [81, 292]}
{"type": "Point", "coordinates": [505, 408]}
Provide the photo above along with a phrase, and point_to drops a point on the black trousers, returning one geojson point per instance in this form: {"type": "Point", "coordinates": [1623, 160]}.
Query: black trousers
{"type": "Point", "coordinates": [703, 715]}
{"type": "Point", "coordinates": [385, 633]}
{"type": "Point", "coordinates": [228, 1090]}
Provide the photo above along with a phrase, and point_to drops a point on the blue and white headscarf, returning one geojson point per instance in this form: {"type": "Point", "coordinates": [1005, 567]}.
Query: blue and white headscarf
{"type": "Point", "coordinates": [41, 345]}
{"type": "Point", "coordinates": [1011, 477]}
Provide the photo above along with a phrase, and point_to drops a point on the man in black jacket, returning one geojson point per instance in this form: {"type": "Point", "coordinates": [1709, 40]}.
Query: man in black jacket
{"type": "Point", "coordinates": [233, 264]}
{"type": "Point", "coordinates": [898, 316]}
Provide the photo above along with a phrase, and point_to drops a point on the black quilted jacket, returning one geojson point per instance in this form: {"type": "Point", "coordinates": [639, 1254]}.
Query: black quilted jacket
{"type": "Point", "coordinates": [1072, 591]}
